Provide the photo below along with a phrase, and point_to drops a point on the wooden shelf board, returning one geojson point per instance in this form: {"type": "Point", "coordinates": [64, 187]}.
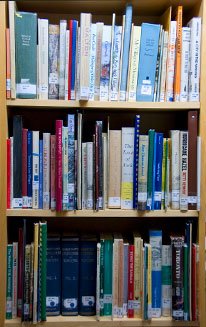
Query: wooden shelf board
{"type": "Point", "coordinates": [80, 321]}
{"type": "Point", "coordinates": [100, 213]}
{"type": "Point", "coordinates": [114, 105]}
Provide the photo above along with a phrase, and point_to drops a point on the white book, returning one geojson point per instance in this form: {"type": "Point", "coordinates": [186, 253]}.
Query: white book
{"type": "Point", "coordinates": [166, 286]}
{"type": "Point", "coordinates": [85, 35]}
{"type": "Point", "coordinates": [121, 56]}
{"type": "Point", "coordinates": [66, 65]}
{"type": "Point", "coordinates": [99, 27]}
{"type": "Point", "coordinates": [185, 59]}
{"type": "Point", "coordinates": [65, 198]}
{"type": "Point", "coordinates": [79, 162]}
{"type": "Point", "coordinates": [46, 171]}
{"type": "Point", "coordinates": [112, 48]}
{"type": "Point", "coordinates": [134, 62]}
{"type": "Point", "coordinates": [62, 53]}
{"type": "Point", "coordinates": [92, 61]}
{"type": "Point", "coordinates": [43, 58]}
{"type": "Point", "coordinates": [175, 169]}
{"type": "Point", "coordinates": [90, 172]}
{"type": "Point", "coordinates": [164, 68]}
{"type": "Point", "coordinates": [157, 94]}
{"type": "Point", "coordinates": [115, 64]}
{"type": "Point", "coordinates": [198, 171]}
{"type": "Point", "coordinates": [105, 169]}
{"type": "Point", "coordinates": [171, 61]}
{"type": "Point", "coordinates": [35, 170]}
{"type": "Point", "coordinates": [84, 175]}
{"type": "Point", "coordinates": [183, 170]}
{"type": "Point", "coordinates": [12, 12]}
{"type": "Point", "coordinates": [105, 63]}
{"type": "Point", "coordinates": [14, 280]}
{"type": "Point", "coordinates": [195, 53]}
{"type": "Point", "coordinates": [11, 170]}
{"type": "Point", "coordinates": [78, 64]}
{"type": "Point", "coordinates": [127, 167]}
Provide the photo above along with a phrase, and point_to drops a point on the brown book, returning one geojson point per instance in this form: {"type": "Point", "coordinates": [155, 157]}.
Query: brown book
{"type": "Point", "coordinates": [115, 148]}
{"type": "Point", "coordinates": [192, 160]}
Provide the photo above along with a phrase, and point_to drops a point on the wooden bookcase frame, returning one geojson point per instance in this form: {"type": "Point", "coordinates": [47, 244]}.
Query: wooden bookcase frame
{"type": "Point", "coordinates": [6, 105]}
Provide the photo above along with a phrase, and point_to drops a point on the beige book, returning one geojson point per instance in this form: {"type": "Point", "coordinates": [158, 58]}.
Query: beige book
{"type": "Point", "coordinates": [85, 35]}
{"type": "Point", "coordinates": [98, 60]}
{"type": "Point", "coordinates": [105, 169]}
{"type": "Point", "coordinates": [12, 11]}
{"type": "Point", "coordinates": [175, 169]}
{"type": "Point", "coordinates": [114, 192]}
{"type": "Point", "coordinates": [138, 245]}
{"type": "Point", "coordinates": [134, 63]}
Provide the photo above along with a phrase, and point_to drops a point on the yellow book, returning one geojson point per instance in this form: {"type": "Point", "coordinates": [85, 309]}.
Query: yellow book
{"type": "Point", "coordinates": [138, 245]}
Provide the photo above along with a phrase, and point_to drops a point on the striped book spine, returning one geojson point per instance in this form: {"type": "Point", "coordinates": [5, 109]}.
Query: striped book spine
{"type": "Point", "coordinates": [178, 55]}
{"type": "Point", "coordinates": [71, 161]}
{"type": "Point", "coordinates": [136, 161]}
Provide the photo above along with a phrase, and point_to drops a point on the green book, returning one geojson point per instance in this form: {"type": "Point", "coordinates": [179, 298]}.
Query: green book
{"type": "Point", "coordinates": [42, 254]}
{"type": "Point", "coordinates": [186, 283]}
{"type": "Point", "coordinates": [9, 281]}
{"type": "Point", "coordinates": [26, 54]}
{"type": "Point", "coordinates": [151, 135]}
{"type": "Point", "coordinates": [101, 302]}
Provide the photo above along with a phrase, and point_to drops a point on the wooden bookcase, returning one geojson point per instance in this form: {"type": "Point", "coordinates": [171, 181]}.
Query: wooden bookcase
{"type": "Point", "coordinates": [162, 112]}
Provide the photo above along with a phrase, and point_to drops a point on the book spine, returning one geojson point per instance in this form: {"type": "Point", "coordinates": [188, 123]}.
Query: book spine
{"type": "Point", "coordinates": [194, 282]}
{"type": "Point", "coordinates": [17, 162]}
{"type": "Point", "coordinates": [157, 94]}
{"type": "Point", "coordinates": [134, 63]}
{"type": "Point", "coordinates": [53, 92]}
{"type": "Point", "coordinates": [20, 273]}
{"type": "Point", "coordinates": [42, 256]}
{"type": "Point", "coordinates": [115, 63]}
{"type": "Point", "coordinates": [70, 59]}
{"type": "Point", "coordinates": [35, 170]}
{"type": "Point", "coordinates": [125, 57]}
{"type": "Point", "coordinates": [192, 160]}
{"type": "Point", "coordinates": [71, 162]}
{"type": "Point", "coordinates": [164, 68]}
{"type": "Point", "coordinates": [188, 241]}
{"type": "Point", "coordinates": [108, 255]}
{"type": "Point", "coordinates": [158, 65]}
{"type": "Point", "coordinates": [65, 146]}
{"type": "Point", "coordinates": [8, 64]}
{"type": "Point", "coordinates": [31, 288]}
{"type": "Point", "coordinates": [195, 54]}
{"type": "Point", "coordinates": [125, 280]}
{"type": "Point", "coordinates": [131, 282]}
{"type": "Point", "coordinates": [98, 282]}
{"type": "Point", "coordinates": [85, 23]}
{"type": "Point", "coordinates": [36, 260]}
{"type": "Point", "coordinates": [154, 169]}
{"type": "Point", "coordinates": [105, 170]}
{"type": "Point", "coordinates": [90, 172]}
{"type": "Point", "coordinates": [29, 167]}
{"type": "Point", "coordinates": [24, 168]}
{"type": "Point", "coordinates": [158, 172]}
{"type": "Point", "coordinates": [105, 63]}
{"type": "Point", "coordinates": [27, 268]}
{"type": "Point", "coordinates": [59, 165]}
{"type": "Point", "coordinates": [14, 279]}
{"type": "Point", "coordinates": [136, 161]}
{"type": "Point", "coordinates": [175, 165]}
{"type": "Point", "coordinates": [198, 172]}
{"type": "Point", "coordinates": [101, 300]}
{"type": "Point", "coordinates": [84, 175]}
{"type": "Point", "coordinates": [73, 58]}
{"type": "Point", "coordinates": [9, 286]}
{"type": "Point", "coordinates": [92, 61]}
{"type": "Point", "coordinates": [171, 62]}
{"type": "Point", "coordinates": [79, 162]}
{"type": "Point", "coordinates": [66, 75]}
{"type": "Point", "coordinates": [183, 170]}
{"type": "Point", "coordinates": [53, 171]}
{"type": "Point", "coordinates": [137, 277]}
{"type": "Point", "coordinates": [166, 280]}
{"type": "Point", "coordinates": [41, 174]}
{"type": "Point", "coordinates": [164, 172]}
{"type": "Point", "coordinates": [12, 13]}
{"type": "Point", "coordinates": [186, 283]}
{"type": "Point", "coordinates": [120, 279]}
{"type": "Point", "coordinates": [178, 55]}
{"type": "Point", "coordinates": [99, 27]}
{"type": "Point", "coordinates": [46, 171]}
{"type": "Point", "coordinates": [78, 64]}
{"type": "Point", "coordinates": [151, 149]}
{"type": "Point", "coordinates": [11, 170]}
{"type": "Point", "coordinates": [177, 278]}
{"type": "Point", "coordinates": [127, 167]}
{"type": "Point", "coordinates": [115, 273]}
{"type": "Point", "coordinates": [142, 172]}
{"type": "Point", "coordinates": [62, 53]}
{"type": "Point", "coordinates": [184, 91]}
{"type": "Point", "coordinates": [8, 193]}
{"type": "Point", "coordinates": [149, 282]}
{"type": "Point", "coordinates": [43, 27]}
{"type": "Point", "coordinates": [145, 284]}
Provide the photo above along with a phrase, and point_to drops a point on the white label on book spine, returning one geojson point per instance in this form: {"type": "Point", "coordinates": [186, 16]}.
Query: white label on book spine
{"type": "Point", "coordinates": [53, 78]}
{"type": "Point", "coordinates": [88, 300]}
{"type": "Point", "coordinates": [175, 196]}
{"type": "Point", "coordinates": [114, 96]}
{"type": "Point", "coordinates": [26, 88]}
{"type": "Point", "coordinates": [25, 201]}
{"type": "Point", "coordinates": [52, 301]}
{"type": "Point", "coordinates": [130, 304]}
{"type": "Point", "coordinates": [65, 198]}
{"type": "Point", "coordinates": [114, 201]}
{"type": "Point", "coordinates": [146, 90]}
{"type": "Point", "coordinates": [122, 96]}
{"type": "Point", "coordinates": [70, 188]}
{"type": "Point", "coordinates": [136, 305]}
{"type": "Point", "coordinates": [124, 309]}
{"type": "Point", "coordinates": [73, 95]}
{"type": "Point", "coordinates": [17, 203]}
{"type": "Point", "coordinates": [156, 312]}
{"type": "Point", "coordinates": [119, 312]}
{"type": "Point", "coordinates": [8, 306]}
{"type": "Point", "coordinates": [46, 197]}
{"type": "Point", "coordinates": [158, 196]}
{"type": "Point", "coordinates": [192, 199]}
{"type": "Point", "coordinates": [26, 309]}
{"type": "Point", "coordinates": [108, 298]}
{"type": "Point", "coordinates": [43, 88]}
{"type": "Point", "coordinates": [142, 196]}
{"type": "Point", "coordinates": [177, 313]}
{"type": "Point", "coordinates": [53, 204]}
{"type": "Point", "coordinates": [183, 201]}
{"type": "Point", "coordinates": [8, 84]}
{"type": "Point", "coordinates": [198, 203]}
{"type": "Point", "coordinates": [84, 93]}
{"type": "Point", "coordinates": [70, 303]}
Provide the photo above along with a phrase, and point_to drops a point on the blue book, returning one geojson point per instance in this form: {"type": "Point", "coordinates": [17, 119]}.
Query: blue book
{"type": "Point", "coordinates": [29, 168]}
{"type": "Point", "coordinates": [147, 61]}
{"type": "Point", "coordinates": [158, 171]}
{"type": "Point", "coordinates": [71, 162]}
{"type": "Point", "coordinates": [136, 161]}
{"type": "Point", "coordinates": [70, 275]}
{"type": "Point", "coordinates": [155, 237]}
{"type": "Point", "coordinates": [53, 278]}
{"type": "Point", "coordinates": [154, 170]}
{"type": "Point", "coordinates": [188, 241]}
{"type": "Point", "coordinates": [40, 174]}
{"type": "Point", "coordinates": [73, 68]}
{"type": "Point", "coordinates": [150, 176]}
{"type": "Point", "coordinates": [87, 276]}
{"type": "Point", "coordinates": [126, 46]}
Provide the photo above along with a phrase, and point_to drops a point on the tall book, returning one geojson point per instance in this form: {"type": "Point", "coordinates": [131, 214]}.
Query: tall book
{"type": "Point", "coordinates": [85, 23]}
{"type": "Point", "coordinates": [65, 168]}
{"type": "Point", "coordinates": [199, 142]}
{"type": "Point", "coordinates": [164, 68]}
{"type": "Point", "coordinates": [35, 168]}
{"type": "Point", "coordinates": [12, 13]}
{"type": "Point", "coordinates": [84, 175]}
{"type": "Point", "coordinates": [46, 171]}
{"type": "Point", "coordinates": [40, 174]}
{"type": "Point", "coordinates": [29, 167]}
{"type": "Point", "coordinates": [9, 281]}
{"type": "Point", "coordinates": [147, 62]}
{"type": "Point", "coordinates": [8, 64]}
{"type": "Point", "coordinates": [53, 92]}
{"type": "Point", "coordinates": [27, 275]}
{"type": "Point", "coordinates": [36, 260]}
{"type": "Point", "coordinates": [158, 171]}
{"type": "Point", "coordinates": [185, 59]}
{"type": "Point", "coordinates": [79, 162]}
{"type": "Point", "coordinates": [142, 172]}
{"type": "Point", "coordinates": [62, 54]}
{"type": "Point", "coordinates": [171, 61]}
{"type": "Point", "coordinates": [192, 160]}
{"type": "Point", "coordinates": [53, 171]}
{"type": "Point", "coordinates": [186, 282]}
{"type": "Point", "coordinates": [66, 76]}
{"type": "Point", "coordinates": [150, 188]}
{"type": "Point", "coordinates": [138, 245]}
{"type": "Point", "coordinates": [108, 256]}
{"type": "Point", "coordinates": [43, 26]}
{"type": "Point", "coordinates": [26, 50]}
{"type": "Point", "coordinates": [175, 165]}
{"type": "Point", "coordinates": [8, 170]}
{"type": "Point", "coordinates": [71, 173]}
{"type": "Point", "coordinates": [183, 170]}
{"type": "Point", "coordinates": [92, 61]}
{"type": "Point", "coordinates": [105, 63]}
{"type": "Point", "coordinates": [17, 162]}
{"type": "Point", "coordinates": [131, 281]}
{"type": "Point", "coordinates": [166, 280]}
{"type": "Point", "coordinates": [134, 62]}
{"type": "Point", "coordinates": [24, 168]}
{"type": "Point", "coordinates": [72, 59]}
{"type": "Point", "coordinates": [99, 31]}
{"type": "Point", "coordinates": [42, 268]}
{"type": "Point", "coordinates": [178, 54]}
{"type": "Point", "coordinates": [136, 161]}
{"type": "Point", "coordinates": [115, 63]}
{"type": "Point", "coordinates": [59, 124]}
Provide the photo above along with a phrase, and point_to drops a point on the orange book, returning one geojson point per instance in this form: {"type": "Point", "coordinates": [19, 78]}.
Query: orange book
{"type": "Point", "coordinates": [177, 79]}
{"type": "Point", "coordinates": [8, 65]}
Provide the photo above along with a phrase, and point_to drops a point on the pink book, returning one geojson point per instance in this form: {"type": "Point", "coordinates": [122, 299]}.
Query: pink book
{"type": "Point", "coordinates": [53, 171]}
{"type": "Point", "coordinates": [59, 124]}
{"type": "Point", "coordinates": [24, 167]}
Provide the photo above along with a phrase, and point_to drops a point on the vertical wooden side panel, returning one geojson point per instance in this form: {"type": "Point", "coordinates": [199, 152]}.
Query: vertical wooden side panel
{"type": "Point", "coordinates": [3, 135]}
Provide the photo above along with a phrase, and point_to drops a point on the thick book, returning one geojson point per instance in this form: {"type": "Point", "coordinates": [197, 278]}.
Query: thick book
{"type": "Point", "coordinates": [17, 162]}
{"type": "Point", "coordinates": [53, 277]}
{"type": "Point", "coordinates": [59, 124]}
{"type": "Point", "coordinates": [53, 92]}
{"type": "Point", "coordinates": [9, 281]}
{"type": "Point", "coordinates": [71, 162]}
{"type": "Point", "coordinates": [136, 161]}
{"type": "Point", "coordinates": [147, 61]}
{"type": "Point", "coordinates": [26, 51]}
{"type": "Point", "coordinates": [87, 275]}
{"type": "Point", "coordinates": [142, 172]}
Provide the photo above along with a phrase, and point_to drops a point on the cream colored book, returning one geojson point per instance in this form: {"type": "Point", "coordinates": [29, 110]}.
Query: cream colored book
{"type": "Point", "coordinates": [175, 169]}
{"type": "Point", "coordinates": [171, 62]}
{"type": "Point", "coordinates": [46, 171]}
{"type": "Point", "coordinates": [99, 31]}
{"type": "Point", "coordinates": [66, 66]}
{"type": "Point", "coordinates": [138, 245]}
{"type": "Point", "coordinates": [134, 62]}
{"type": "Point", "coordinates": [12, 12]}
{"type": "Point", "coordinates": [43, 58]}
{"type": "Point", "coordinates": [164, 68]}
{"type": "Point", "coordinates": [62, 54]}
{"type": "Point", "coordinates": [85, 35]}
{"type": "Point", "coordinates": [183, 170]}
{"type": "Point", "coordinates": [114, 191]}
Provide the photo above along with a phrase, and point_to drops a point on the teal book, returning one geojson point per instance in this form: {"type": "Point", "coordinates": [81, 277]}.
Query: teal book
{"type": "Point", "coordinates": [26, 55]}
{"type": "Point", "coordinates": [101, 300]}
{"type": "Point", "coordinates": [42, 268]}
{"type": "Point", "coordinates": [9, 281]}
{"type": "Point", "coordinates": [150, 169]}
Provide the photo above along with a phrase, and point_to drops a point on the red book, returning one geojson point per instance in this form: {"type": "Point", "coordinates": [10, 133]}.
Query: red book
{"type": "Point", "coordinates": [70, 60]}
{"type": "Point", "coordinates": [194, 280]}
{"type": "Point", "coordinates": [96, 168]}
{"type": "Point", "coordinates": [24, 168]}
{"type": "Point", "coordinates": [8, 141]}
{"type": "Point", "coordinates": [59, 124]}
{"type": "Point", "coordinates": [8, 65]}
{"type": "Point", "coordinates": [53, 171]}
{"type": "Point", "coordinates": [192, 159]}
{"type": "Point", "coordinates": [20, 273]}
{"type": "Point", "coordinates": [130, 313]}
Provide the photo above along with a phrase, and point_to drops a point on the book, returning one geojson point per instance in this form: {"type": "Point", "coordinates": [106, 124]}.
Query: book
{"type": "Point", "coordinates": [90, 173]}
{"type": "Point", "coordinates": [79, 161]}
{"type": "Point", "coordinates": [115, 63]}
{"type": "Point", "coordinates": [62, 54]}
{"type": "Point", "coordinates": [27, 273]}
{"type": "Point", "coordinates": [136, 161]}
{"type": "Point", "coordinates": [184, 81]}
{"type": "Point", "coordinates": [130, 313]}
{"type": "Point", "coordinates": [17, 162]}
{"type": "Point", "coordinates": [92, 61]}
{"type": "Point", "coordinates": [178, 54]}
{"type": "Point", "coordinates": [166, 281]}
{"type": "Point", "coordinates": [40, 174]}
{"type": "Point", "coordinates": [142, 172]}
{"type": "Point", "coordinates": [35, 168]}
{"type": "Point", "coordinates": [20, 273]}
{"type": "Point", "coordinates": [105, 63]}
{"type": "Point", "coordinates": [43, 27]}
{"type": "Point", "coordinates": [107, 277]}
{"type": "Point", "coordinates": [53, 92]}
{"type": "Point", "coordinates": [8, 170]}
{"type": "Point", "coordinates": [171, 61]}
{"type": "Point", "coordinates": [59, 124]}
{"type": "Point", "coordinates": [99, 31]}
{"type": "Point", "coordinates": [164, 68]}
{"type": "Point", "coordinates": [84, 175]}
{"type": "Point", "coordinates": [158, 171]}
{"type": "Point", "coordinates": [199, 142]}
{"type": "Point", "coordinates": [71, 124]}
{"type": "Point", "coordinates": [186, 282]}
{"type": "Point", "coordinates": [85, 35]}
{"type": "Point", "coordinates": [26, 50]}
{"type": "Point", "coordinates": [72, 58]}
{"type": "Point", "coordinates": [125, 278]}
{"type": "Point", "coordinates": [42, 268]}
{"type": "Point", "coordinates": [65, 168]}
{"type": "Point", "coordinates": [150, 187]}
{"type": "Point", "coordinates": [24, 168]}
{"type": "Point", "coordinates": [175, 168]}
{"type": "Point", "coordinates": [66, 75]}
{"type": "Point", "coordinates": [36, 272]}
{"type": "Point", "coordinates": [137, 303]}
{"type": "Point", "coordinates": [192, 160]}
{"type": "Point", "coordinates": [9, 285]}
{"type": "Point", "coordinates": [8, 65]}
{"type": "Point", "coordinates": [134, 62]}
{"type": "Point", "coordinates": [183, 170]}
{"type": "Point", "coordinates": [53, 171]}
{"type": "Point", "coordinates": [29, 167]}
{"type": "Point", "coordinates": [46, 170]}
{"type": "Point", "coordinates": [12, 13]}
